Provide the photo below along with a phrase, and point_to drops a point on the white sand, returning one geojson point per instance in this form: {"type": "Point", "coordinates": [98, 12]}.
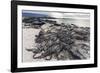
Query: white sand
{"type": "Point", "coordinates": [28, 42]}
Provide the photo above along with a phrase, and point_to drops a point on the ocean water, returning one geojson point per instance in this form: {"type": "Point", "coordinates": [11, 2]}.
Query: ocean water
{"type": "Point", "coordinates": [78, 22]}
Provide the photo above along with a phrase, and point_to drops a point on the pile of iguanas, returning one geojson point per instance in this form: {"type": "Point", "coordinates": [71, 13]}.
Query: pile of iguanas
{"type": "Point", "coordinates": [62, 42]}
